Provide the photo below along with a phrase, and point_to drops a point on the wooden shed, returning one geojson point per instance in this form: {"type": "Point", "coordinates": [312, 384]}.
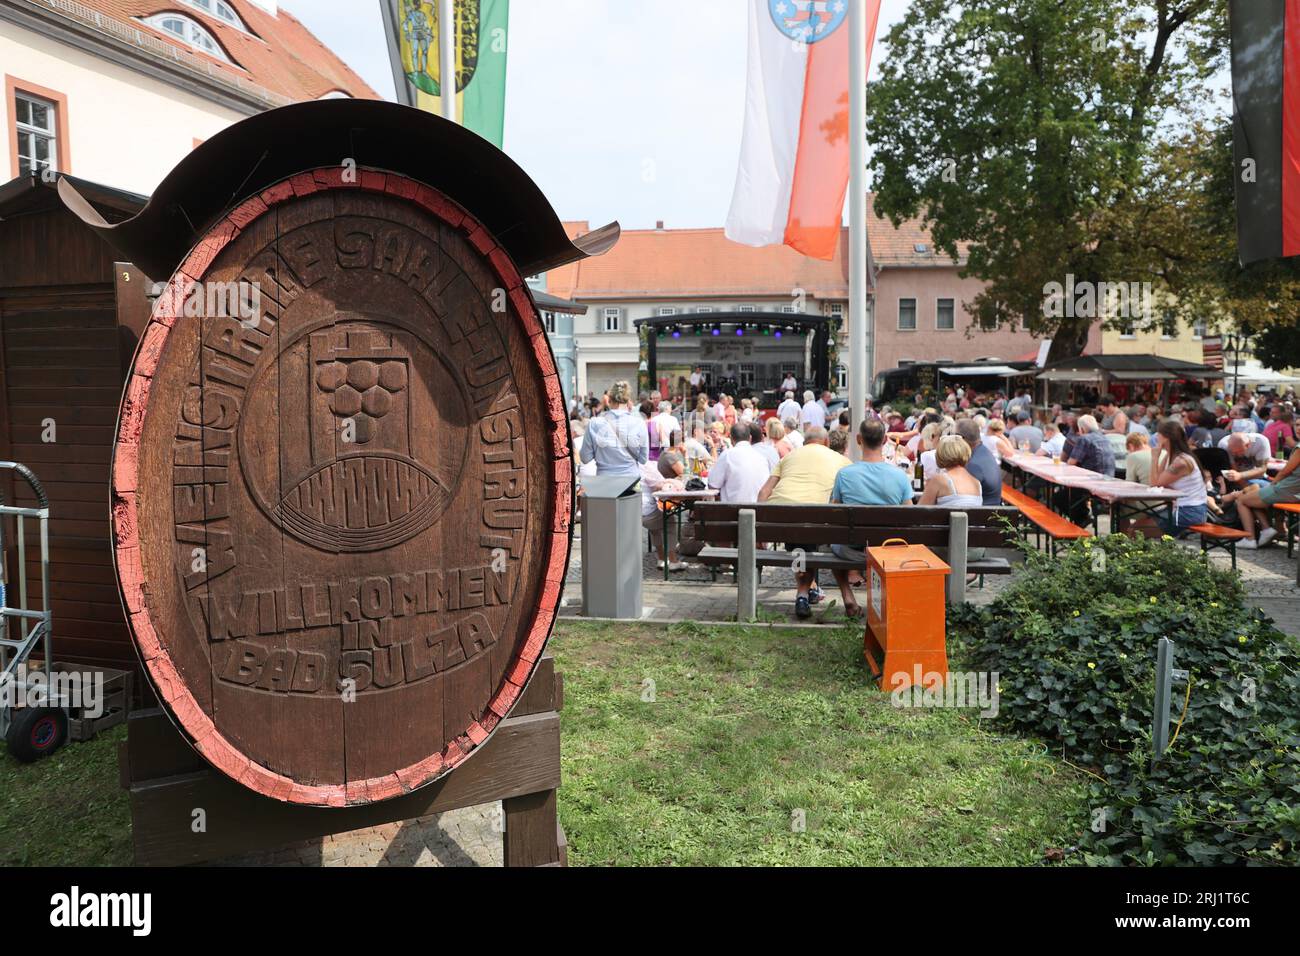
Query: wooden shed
{"type": "Point", "coordinates": [69, 320]}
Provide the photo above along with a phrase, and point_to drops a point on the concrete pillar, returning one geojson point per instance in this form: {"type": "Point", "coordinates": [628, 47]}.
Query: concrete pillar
{"type": "Point", "coordinates": [958, 524]}
{"type": "Point", "coordinates": [746, 569]}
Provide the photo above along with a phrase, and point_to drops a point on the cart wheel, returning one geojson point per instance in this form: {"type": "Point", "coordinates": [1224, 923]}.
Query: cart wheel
{"type": "Point", "coordinates": [37, 732]}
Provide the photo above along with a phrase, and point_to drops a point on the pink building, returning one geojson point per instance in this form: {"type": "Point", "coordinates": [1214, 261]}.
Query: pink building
{"type": "Point", "coordinates": [920, 302]}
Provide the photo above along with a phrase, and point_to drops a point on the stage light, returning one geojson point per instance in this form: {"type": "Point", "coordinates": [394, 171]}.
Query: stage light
{"type": "Point", "coordinates": [677, 333]}
{"type": "Point", "coordinates": [717, 330]}
{"type": "Point", "coordinates": [740, 330]}
{"type": "Point", "coordinates": [777, 333]}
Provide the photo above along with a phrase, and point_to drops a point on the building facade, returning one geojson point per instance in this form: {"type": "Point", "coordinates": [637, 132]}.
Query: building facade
{"type": "Point", "coordinates": [920, 299]}
{"type": "Point", "coordinates": [917, 298]}
{"type": "Point", "coordinates": [118, 91]}
{"type": "Point", "coordinates": [692, 273]}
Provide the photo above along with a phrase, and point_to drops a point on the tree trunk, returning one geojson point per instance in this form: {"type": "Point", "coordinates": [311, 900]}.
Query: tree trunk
{"type": "Point", "coordinates": [1070, 340]}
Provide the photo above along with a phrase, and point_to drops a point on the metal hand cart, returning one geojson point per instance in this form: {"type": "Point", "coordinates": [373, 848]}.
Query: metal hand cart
{"type": "Point", "coordinates": [39, 730]}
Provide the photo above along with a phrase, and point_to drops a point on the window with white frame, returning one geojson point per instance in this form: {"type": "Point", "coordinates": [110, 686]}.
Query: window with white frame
{"type": "Point", "coordinates": [945, 315]}
{"type": "Point", "coordinates": [219, 9]}
{"type": "Point", "coordinates": [789, 310]}
{"type": "Point", "coordinates": [1200, 329]}
{"type": "Point", "coordinates": [745, 308]}
{"type": "Point", "coordinates": [613, 320]}
{"type": "Point", "coordinates": [667, 310]}
{"type": "Point", "coordinates": [189, 32]}
{"type": "Point", "coordinates": [1127, 329]}
{"type": "Point", "coordinates": [705, 308]}
{"type": "Point", "coordinates": [841, 377]}
{"type": "Point", "coordinates": [549, 318]}
{"type": "Point", "coordinates": [37, 123]}
{"type": "Point", "coordinates": [907, 315]}
{"type": "Point", "coordinates": [746, 377]}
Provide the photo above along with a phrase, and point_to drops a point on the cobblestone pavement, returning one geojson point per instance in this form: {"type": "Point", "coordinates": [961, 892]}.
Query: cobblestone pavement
{"type": "Point", "coordinates": [467, 837]}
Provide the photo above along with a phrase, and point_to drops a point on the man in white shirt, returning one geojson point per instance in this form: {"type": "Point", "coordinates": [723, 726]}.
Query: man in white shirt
{"type": "Point", "coordinates": [666, 424]}
{"type": "Point", "coordinates": [1251, 445]}
{"type": "Point", "coordinates": [720, 409]}
{"type": "Point", "coordinates": [1053, 441]}
{"type": "Point", "coordinates": [788, 384]}
{"type": "Point", "coordinates": [812, 415]}
{"type": "Point", "coordinates": [696, 378]}
{"type": "Point", "coordinates": [741, 471]}
{"type": "Point", "coordinates": [789, 408]}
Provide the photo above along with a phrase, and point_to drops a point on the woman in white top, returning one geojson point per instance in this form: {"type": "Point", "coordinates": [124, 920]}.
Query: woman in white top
{"type": "Point", "coordinates": [930, 436]}
{"type": "Point", "coordinates": [1175, 466]}
{"type": "Point", "coordinates": [996, 441]}
{"type": "Point", "coordinates": [953, 486]}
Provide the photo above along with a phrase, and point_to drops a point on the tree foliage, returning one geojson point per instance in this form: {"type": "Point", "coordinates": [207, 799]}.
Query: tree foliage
{"type": "Point", "coordinates": [1025, 133]}
{"type": "Point", "coordinates": [1261, 299]}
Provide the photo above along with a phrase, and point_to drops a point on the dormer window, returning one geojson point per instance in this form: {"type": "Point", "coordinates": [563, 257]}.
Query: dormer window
{"type": "Point", "coordinates": [219, 9]}
{"type": "Point", "coordinates": [189, 32]}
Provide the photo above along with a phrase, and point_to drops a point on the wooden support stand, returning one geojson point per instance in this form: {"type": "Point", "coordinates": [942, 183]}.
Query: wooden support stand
{"type": "Point", "coordinates": [168, 782]}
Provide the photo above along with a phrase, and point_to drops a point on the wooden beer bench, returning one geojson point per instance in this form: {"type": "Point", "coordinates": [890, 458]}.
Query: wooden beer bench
{"type": "Point", "coordinates": [805, 528]}
{"type": "Point", "coordinates": [1044, 520]}
{"type": "Point", "coordinates": [1291, 515]}
{"type": "Point", "coordinates": [1221, 537]}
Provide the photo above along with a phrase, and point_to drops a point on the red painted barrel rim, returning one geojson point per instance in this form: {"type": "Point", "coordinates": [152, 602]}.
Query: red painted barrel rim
{"type": "Point", "coordinates": [176, 696]}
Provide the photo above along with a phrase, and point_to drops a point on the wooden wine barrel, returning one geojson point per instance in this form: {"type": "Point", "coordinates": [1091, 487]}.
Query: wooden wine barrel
{"type": "Point", "coordinates": [341, 490]}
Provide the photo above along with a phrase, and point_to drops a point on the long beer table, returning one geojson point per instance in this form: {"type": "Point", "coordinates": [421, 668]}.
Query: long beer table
{"type": "Point", "coordinates": [1116, 494]}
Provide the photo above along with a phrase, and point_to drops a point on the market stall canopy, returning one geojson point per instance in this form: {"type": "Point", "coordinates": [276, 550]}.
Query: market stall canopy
{"type": "Point", "coordinates": [1252, 373]}
{"type": "Point", "coordinates": [965, 371]}
{"type": "Point", "coordinates": [1126, 368]}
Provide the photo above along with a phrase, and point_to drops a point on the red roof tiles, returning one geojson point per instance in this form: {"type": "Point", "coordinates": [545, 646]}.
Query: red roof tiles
{"type": "Point", "coordinates": [279, 54]}
{"type": "Point", "coordinates": [668, 263]}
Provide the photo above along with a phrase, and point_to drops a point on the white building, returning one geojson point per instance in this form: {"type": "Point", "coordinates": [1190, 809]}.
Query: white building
{"type": "Point", "coordinates": [119, 91]}
{"type": "Point", "coordinates": [686, 272]}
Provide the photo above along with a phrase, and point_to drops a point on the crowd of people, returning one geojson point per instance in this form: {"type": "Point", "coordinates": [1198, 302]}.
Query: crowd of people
{"type": "Point", "coordinates": [1214, 453]}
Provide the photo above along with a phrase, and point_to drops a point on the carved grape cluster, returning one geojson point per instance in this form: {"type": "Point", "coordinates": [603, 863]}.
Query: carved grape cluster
{"type": "Point", "coordinates": [362, 390]}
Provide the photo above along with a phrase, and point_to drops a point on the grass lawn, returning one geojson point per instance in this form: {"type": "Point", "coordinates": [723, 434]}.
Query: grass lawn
{"type": "Point", "coordinates": [748, 725]}
{"type": "Point", "coordinates": [67, 810]}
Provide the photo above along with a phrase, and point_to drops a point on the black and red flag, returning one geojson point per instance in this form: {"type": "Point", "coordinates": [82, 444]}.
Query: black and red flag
{"type": "Point", "coordinates": [1266, 126]}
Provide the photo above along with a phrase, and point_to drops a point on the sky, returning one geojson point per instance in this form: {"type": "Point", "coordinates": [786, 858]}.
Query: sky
{"type": "Point", "coordinates": [627, 110]}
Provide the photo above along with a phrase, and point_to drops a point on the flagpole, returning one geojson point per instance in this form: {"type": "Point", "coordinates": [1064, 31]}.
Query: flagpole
{"type": "Point", "coordinates": [447, 57]}
{"type": "Point", "coordinates": [860, 334]}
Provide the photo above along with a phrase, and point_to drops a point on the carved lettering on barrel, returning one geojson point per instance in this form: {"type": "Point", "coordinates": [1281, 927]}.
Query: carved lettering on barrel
{"type": "Point", "coordinates": [350, 432]}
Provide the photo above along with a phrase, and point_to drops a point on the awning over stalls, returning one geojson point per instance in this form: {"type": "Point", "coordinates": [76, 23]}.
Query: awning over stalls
{"type": "Point", "coordinates": [1070, 375]}
{"type": "Point", "coordinates": [1143, 376]}
{"type": "Point", "coordinates": [968, 371]}
{"type": "Point", "coordinates": [1126, 368]}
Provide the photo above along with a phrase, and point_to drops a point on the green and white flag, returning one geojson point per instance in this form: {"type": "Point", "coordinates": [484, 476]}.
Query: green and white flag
{"type": "Point", "coordinates": [481, 27]}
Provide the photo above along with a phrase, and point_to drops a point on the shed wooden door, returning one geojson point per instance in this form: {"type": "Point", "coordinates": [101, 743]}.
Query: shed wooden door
{"type": "Point", "coordinates": [341, 505]}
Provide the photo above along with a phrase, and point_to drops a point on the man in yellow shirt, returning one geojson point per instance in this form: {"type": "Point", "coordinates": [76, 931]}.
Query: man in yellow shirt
{"type": "Point", "coordinates": [805, 477]}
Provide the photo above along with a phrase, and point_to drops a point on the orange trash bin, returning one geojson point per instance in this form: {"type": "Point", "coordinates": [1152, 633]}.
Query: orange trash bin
{"type": "Point", "coordinates": [906, 614]}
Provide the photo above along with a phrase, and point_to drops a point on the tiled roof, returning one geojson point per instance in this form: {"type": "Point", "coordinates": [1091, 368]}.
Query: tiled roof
{"type": "Point", "coordinates": [280, 56]}
{"type": "Point", "coordinates": [668, 263]}
{"type": "Point", "coordinates": [897, 247]}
